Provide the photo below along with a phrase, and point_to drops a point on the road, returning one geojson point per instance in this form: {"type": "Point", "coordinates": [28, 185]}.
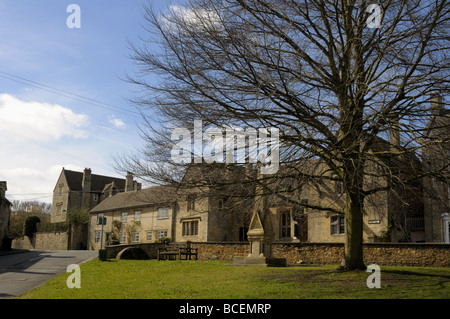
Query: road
{"type": "Point", "coordinates": [24, 271]}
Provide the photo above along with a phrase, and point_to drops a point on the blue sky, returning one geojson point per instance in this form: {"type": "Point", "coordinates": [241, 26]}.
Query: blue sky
{"type": "Point", "coordinates": [63, 100]}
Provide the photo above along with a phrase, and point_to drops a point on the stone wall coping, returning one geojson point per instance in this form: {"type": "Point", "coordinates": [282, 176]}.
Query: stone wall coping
{"type": "Point", "coordinates": [445, 245]}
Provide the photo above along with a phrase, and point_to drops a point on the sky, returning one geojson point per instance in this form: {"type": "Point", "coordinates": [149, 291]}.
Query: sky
{"type": "Point", "coordinates": [63, 98]}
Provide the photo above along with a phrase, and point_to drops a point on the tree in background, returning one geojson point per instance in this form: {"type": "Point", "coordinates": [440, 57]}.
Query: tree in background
{"type": "Point", "coordinates": [22, 209]}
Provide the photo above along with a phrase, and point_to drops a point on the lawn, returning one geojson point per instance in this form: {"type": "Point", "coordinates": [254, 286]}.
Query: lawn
{"type": "Point", "coordinates": [214, 279]}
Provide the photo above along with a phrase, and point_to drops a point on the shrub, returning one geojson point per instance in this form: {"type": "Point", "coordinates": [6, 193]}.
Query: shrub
{"type": "Point", "coordinates": [163, 240]}
{"type": "Point", "coordinates": [77, 216]}
{"type": "Point", "coordinates": [29, 225]}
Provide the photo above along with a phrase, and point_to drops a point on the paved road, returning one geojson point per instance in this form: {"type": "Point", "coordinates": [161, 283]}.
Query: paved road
{"type": "Point", "coordinates": [27, 270]}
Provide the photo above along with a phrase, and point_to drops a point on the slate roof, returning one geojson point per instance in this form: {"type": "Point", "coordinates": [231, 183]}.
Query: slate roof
{"type": "Point", "coordinates": [153, 196]}
{"type": "Point", "coordinates": [98, 182]}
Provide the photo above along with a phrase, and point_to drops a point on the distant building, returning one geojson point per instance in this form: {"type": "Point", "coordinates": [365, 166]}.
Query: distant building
{"type": "Point", "coordinates": [34, 209]}
{"type": "Point", "coordinates": [5, 212]}
{"type": "Point", "coordinates": [84, 190]}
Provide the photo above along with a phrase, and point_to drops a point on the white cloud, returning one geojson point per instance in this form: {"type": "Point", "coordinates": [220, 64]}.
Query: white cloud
{"type": "Point", "coordinates": [41, 121]}
{"type": "Point", "coordinates": [116, 122]}
{"type": "Point", "coordinates": [199, 19]}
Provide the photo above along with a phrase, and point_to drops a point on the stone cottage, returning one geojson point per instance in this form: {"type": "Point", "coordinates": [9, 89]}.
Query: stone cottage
{"type": "Point", "coordinates": [138, 216]}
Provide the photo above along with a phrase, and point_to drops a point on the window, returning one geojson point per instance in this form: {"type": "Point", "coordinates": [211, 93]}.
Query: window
{"type": "Point", "coordinates": [161, 233]}
{"type": "Point", "coordinates": [98, 236]}
{"type": "Point", "coordinates": [163, 212]}
{"type": "Point", "coordinates": [191, 203]}
{"type": "Point", "coordinates": [60, 189]}
{"type": "Point", "coordinates": [137, 215]}
{"type": "Point", "coordinates": [100, 218]}
{"type": "Point", "coordinates": [149, 235]}
{"type": "Point", "coordinates": [220, 203]}
{"type": "Point", "coordinates": [95, 197]}
{"type": "Point", "coordinates": [135, 236]}
{"type": "Point", "coordinates": [124, 217]}
{"type": "Point", "coordinates": [339, 188]}
{"type": "Point", "coordinates": [337, 225]}
{"type": "Point", "coordinates": [190, 228]}
{"type": "Point", "coordinates": [243, 234]}
{"type": "Point", "coordinates": [285, 224]}
{"type": "Point", "coordinates": [122, 237]}
{"type": "Point", "coordinates": [58, 208]}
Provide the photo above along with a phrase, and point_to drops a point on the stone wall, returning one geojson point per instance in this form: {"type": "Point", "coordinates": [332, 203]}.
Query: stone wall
{"type": "Point", "coordinates": [436, 255]}
{"type": "Point", "coordinates": [331, 253]}
{"type": "Point", "coordinates": [45, 241]}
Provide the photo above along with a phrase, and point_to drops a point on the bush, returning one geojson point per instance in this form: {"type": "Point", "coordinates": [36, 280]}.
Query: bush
{"type": "Point", "coordinates": [29, 225]}
{"type": "Point", "coordinates": [77, 216]}
{"type": "Point", "coordinates": [163, 240]}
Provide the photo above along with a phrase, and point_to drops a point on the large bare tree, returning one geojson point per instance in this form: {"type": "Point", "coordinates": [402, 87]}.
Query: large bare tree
{"type": "Point", "coordinates": [334, 76]}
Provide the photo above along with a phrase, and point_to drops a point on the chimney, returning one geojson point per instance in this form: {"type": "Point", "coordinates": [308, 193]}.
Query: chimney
{"type": "Point", "coordinates": [129, 184]}
{"type": "Point", "coordinates": [436, 105]}
{"type": "Point", "coordinates": [137, 186]}
{"type": "Point", "coordinates": [86, 183]}
{"type": "Point", "coordinates": [3, 189]}
{"type": "Point", "coordinates": [86, 189]}
{"type": "Point", "coordinates": [395, 135]}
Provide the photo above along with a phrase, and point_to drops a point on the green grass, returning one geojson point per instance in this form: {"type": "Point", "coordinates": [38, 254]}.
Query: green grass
{"type": "Point", "coordinates": [213, 279]}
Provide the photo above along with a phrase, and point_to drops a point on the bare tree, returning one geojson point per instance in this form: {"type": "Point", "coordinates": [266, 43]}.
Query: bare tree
{"type": "Point", "coordinates": [335, 77]}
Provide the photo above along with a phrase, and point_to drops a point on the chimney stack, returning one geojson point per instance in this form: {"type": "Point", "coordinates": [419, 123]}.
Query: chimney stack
{"type": "Point", "coordinates": [3, 189]}
{"type": "Point", "coordinates": [436, 104]}
{"type": "Point", "coordinates": [86, 189]}
{"type": "Point", "coordinates": [86, 183]}
{"type": "Point", "coordinates": [129, 184]}
{"type": "Point", "coordinates": [137, 186]}
{"type": "Point", "coordinates": [394, 138]}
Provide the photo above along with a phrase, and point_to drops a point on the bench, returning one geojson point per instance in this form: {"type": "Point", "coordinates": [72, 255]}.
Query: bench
{"type": "Point", "coordinates": [174, 251]}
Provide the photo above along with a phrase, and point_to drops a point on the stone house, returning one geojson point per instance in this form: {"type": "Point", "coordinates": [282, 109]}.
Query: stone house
{"type": "Point", "coordinates": [138, 216]}
{"type": "Point", "coordinates": [84, 190]}
{"type": "Point", "coordinates": [437, 155]}
{"type": "Point", "coordinates": [218, 211]}
{"type": "Point", "coordinates": [5, 212]}
{"type": "Point", "coordinates": [208, 205]}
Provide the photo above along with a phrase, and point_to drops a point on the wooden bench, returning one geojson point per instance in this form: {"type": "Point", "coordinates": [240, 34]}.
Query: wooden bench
{"type": "Point", "coordinates": [174, 251]}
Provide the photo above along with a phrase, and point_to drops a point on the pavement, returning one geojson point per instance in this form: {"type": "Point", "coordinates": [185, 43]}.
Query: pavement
{"type": "Point", "coordinates": [22, 269]}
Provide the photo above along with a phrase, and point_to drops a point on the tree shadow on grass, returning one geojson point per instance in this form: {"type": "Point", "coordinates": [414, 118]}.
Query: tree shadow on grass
{"type": "Point", "coordinates": [414, 273]}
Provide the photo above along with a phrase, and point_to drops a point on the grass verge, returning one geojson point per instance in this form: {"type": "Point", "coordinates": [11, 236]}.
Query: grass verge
{"type": "Point", "coordinates": [149, 279]}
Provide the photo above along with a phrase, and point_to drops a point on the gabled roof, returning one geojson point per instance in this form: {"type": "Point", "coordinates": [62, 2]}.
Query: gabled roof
{"type": "Point", "coordinates": [153, 196]}
{"type": "Point", "coordinates": [98, 182]}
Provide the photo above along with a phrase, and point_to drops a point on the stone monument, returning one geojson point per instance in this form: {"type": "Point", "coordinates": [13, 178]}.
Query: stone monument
{"type": "Point", "coordinates": [260, 234]}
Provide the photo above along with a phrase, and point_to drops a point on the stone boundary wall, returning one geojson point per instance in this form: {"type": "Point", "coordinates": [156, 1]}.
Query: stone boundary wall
{"type": "Point", "coordinates": [45, 241]}
{"type": "Point", "coordinates": [420, 254]}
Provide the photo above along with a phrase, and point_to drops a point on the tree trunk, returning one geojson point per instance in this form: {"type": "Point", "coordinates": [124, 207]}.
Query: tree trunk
{"type": "Point", "coordinates": [353, 248]}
